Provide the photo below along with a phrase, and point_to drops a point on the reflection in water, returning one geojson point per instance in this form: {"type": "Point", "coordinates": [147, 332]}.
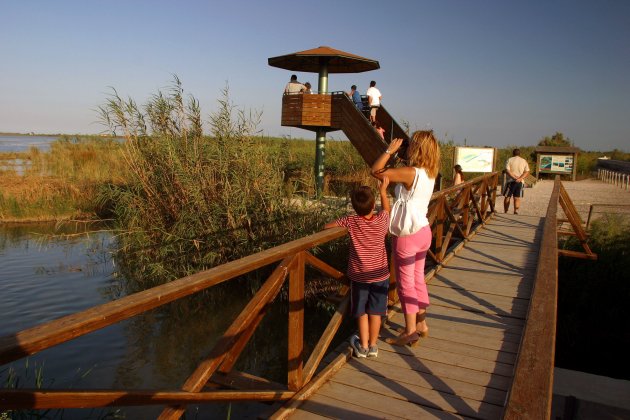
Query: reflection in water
{"type": "Point", "coordinates": [44, 278]}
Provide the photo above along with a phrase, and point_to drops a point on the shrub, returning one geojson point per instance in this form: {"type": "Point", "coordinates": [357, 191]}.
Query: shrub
{"type": "Point", "coordinates": [193, 201]}
{"type": "Point", "coordinates": [592, 302]}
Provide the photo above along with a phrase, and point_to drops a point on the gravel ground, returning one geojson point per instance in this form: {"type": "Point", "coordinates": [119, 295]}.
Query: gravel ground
{"type": "Point", "coordinates": [582, 193]}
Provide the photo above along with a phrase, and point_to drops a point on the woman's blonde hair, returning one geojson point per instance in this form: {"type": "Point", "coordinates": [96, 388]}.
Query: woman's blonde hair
{"type": "Point", "coordinates": [424, 152]}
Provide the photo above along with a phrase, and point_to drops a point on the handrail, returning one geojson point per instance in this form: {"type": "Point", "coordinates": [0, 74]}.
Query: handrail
{"type": "Point", "coordinates": [574, 219]}
{"type": "Point", "coordinates": [531, 392]}
{"type": "Point", "coordinates": [33, 340]}
{"type": "Point", "coordinates": [453, 213]}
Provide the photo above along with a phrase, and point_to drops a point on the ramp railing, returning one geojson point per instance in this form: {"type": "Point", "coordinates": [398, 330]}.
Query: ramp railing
{"type": "Point", "coordinates": [455, 214]}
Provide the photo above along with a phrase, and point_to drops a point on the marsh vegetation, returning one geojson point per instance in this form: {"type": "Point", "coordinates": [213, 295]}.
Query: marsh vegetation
{"type": "Point", "coordinates": [592, 335]}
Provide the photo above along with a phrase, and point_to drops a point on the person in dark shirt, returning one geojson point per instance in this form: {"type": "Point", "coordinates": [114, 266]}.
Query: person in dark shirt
{"type": "Point", "coordinates": [356, 97]}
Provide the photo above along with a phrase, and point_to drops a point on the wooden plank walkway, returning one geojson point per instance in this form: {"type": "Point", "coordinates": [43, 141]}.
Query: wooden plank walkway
{"type": "Point", "coordinates": [464, 369]}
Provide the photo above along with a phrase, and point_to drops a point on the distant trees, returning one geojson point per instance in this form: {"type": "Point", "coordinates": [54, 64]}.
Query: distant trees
{"type": "Point", "coordinates": [557, 140]}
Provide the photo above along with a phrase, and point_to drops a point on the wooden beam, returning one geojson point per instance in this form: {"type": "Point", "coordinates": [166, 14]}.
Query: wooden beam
{"type": "Point", "coordinates": [531, 392]}
{"type": "Point", "coordinates": [313, 386]}
{"type": "Point", "coordinates": [296, 324]}
{"type": "Point", "coordinates": [576, 254]}
{"type": "Point", "coordinates": [438, 234]}
{"type": "Point", "coordinates": [574, 219]}
{"type": "Point", "coordinates": [206, 368]}
{"type": "Point", "coordinates": [245, 381]}
{"type": "Point", "coordinates": [42, 399]}
{"type": "Point", "coordinates": [320, 265]}
{"type": "Point", "coordinates": [327, 336]}
{"type": "Point", "coordinates": [230, 358]}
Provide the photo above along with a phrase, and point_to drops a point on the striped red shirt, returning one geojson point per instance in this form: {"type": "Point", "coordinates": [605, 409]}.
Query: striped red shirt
{"type": "Point", "coordinates": [367, 257]}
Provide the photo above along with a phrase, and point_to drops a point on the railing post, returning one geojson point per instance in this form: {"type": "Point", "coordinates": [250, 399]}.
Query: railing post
{"type": "Point", "coordinates": [588, 219]}
{"type": "Point", "coordinates": [465, 197]}
{"type": "Point", "coordinates": [439, 229]}
{"type": "Point", "coordinates": [484, 195]}
{"type": "Point", "coordinates": [296, 324]}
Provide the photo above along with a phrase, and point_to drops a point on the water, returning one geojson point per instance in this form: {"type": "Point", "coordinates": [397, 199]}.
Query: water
{"type": "Point", "coordinates": [22, 144]}
{"type": "Point", "coordinates": [10, 143]}
{"type": "Point", "coordinates": [44, 278]}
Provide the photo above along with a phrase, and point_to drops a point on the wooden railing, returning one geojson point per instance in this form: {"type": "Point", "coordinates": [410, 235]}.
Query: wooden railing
{"type": "Point", "coordinates": [577, 228]}
{"type": "Point", "coordinates": [531, 392]}
{"type": "Point", "coordinates": [619, 179]}
{"type": "Point", "coordinates": [454, 214]}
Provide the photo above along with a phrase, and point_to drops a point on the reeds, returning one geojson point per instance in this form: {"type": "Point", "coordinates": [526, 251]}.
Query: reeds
{"type": "Point", "coordinates": [192, 201]}
{"type": "Point", "coordinates": [62, 182]}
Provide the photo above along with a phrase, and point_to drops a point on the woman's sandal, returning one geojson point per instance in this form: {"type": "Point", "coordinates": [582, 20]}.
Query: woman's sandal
{"type": "Point", "coordinates": [404, 340]}
{"type": "Point", "coordinates": [422, 334]}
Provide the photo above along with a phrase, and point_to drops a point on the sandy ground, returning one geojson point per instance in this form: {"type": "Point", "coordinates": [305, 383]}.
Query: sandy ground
{"type": "Point", "coordinates": [583, 194]}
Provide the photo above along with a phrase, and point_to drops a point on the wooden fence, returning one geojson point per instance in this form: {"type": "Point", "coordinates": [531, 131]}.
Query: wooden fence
{"type": "Point", "coordinates": [619, 179]}
{"type": "Point", "coordinates": [532, 388]}
{"type": "Point", "coordinates": [455, 214]}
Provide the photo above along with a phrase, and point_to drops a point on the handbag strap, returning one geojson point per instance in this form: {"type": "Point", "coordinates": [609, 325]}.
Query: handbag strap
{"type": "Point", "coordinates": [416, 179]}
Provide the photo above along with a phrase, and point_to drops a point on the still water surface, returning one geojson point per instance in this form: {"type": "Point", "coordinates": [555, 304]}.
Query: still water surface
{"type": "Point", "coordinates": [23, 143]}
{"type": "Point", "coordinates": [43, 278]}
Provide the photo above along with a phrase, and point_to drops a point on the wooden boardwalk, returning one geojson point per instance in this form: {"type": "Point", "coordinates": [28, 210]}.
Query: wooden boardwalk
{"type": "Point", "coordinates": [479, 303]}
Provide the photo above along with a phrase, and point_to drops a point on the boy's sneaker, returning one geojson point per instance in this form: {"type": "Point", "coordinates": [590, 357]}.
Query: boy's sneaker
{"type": "Point", "coordinates": [359, 351]}
{"type": "Point", "coordinates": [373, 351]}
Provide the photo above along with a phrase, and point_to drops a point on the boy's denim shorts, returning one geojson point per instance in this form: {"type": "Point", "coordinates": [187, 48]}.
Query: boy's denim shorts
{"type": "Point", "coordinates": [368, 298]}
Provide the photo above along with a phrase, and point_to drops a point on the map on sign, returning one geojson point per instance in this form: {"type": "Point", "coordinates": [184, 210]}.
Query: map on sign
{"type": "Point", "coordinates": [556, 163]}
{"type": "Point", "coordinates": [475, 159]}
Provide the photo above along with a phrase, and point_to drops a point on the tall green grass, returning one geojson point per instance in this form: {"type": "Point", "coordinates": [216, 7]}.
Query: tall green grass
{"type": "Point", "coordinates": [191, 201]}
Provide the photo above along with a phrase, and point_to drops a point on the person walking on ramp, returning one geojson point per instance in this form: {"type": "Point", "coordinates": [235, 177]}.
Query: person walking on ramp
{"type": "Point", "coordinates": [410, 227]}
{"type": "Point", "coordinates": [368, 269]}
{"type": "Point", "coordinates": [517, 170]}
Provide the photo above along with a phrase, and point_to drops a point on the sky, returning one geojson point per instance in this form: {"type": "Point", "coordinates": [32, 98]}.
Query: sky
{"type": "Point", "coordinates": [485, 73]}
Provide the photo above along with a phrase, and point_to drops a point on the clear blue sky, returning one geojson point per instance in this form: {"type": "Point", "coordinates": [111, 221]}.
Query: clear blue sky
{"type": "Point", "coordinates": [494, 73]}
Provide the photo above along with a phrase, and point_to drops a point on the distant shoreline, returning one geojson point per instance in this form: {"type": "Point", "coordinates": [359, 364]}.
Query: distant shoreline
{"type": "Point", "coordinates": [57, 135]}
{"type": "Point", "coordinates": [31, 135]}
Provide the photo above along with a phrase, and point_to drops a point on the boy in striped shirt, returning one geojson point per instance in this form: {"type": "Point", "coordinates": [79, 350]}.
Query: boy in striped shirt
{"type": "Point", "coordinates": [368, 269]}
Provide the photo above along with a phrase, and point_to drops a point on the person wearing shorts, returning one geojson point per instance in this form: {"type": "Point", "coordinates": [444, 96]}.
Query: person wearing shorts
{"type": "Point", "coordinates": [368, 269]}
{"type": "Point", "coordinates": [374, 100]}
{"type": "Point", "coordinates": [517, 170]}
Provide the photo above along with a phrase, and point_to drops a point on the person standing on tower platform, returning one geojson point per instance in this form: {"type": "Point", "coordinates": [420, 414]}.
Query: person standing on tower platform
{"type": "Point", "coordinates": [294, 86]}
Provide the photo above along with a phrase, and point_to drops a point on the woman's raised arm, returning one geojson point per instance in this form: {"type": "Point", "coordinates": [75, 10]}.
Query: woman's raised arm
{"type": "Point", "coordinates": [403, 174]}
